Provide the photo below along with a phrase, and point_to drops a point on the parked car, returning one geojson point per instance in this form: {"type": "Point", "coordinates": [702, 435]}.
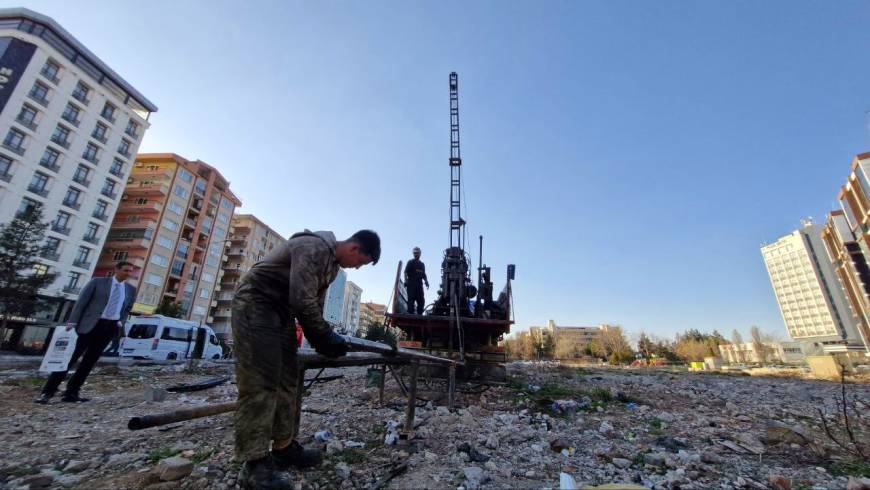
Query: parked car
{"type": "Point", "coordinates": [159, 337]}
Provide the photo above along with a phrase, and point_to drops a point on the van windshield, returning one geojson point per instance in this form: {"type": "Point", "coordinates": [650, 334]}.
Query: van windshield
{"type": "Point", "coordinates": [142, 331]}
{"type": "Point", "coordinates": [172, 333]}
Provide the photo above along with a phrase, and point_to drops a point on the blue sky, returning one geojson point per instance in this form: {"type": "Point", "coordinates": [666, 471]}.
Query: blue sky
{"type": "Point", "coordinates": [629, 157]}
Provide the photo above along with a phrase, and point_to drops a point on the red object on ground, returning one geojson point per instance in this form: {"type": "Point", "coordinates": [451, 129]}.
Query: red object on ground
{"type": "Point", "coordinates": [298, 334]}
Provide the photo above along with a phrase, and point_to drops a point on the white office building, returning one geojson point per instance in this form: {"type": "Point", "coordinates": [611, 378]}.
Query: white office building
{"type": "Point", "coordinates": [334, 303]}
{"type": "Point", "coordinates": [812, 304]}
{"type": "Point", "coordinates": [350, 309]}
{"type": "Point", "coordinates": [70, 128]}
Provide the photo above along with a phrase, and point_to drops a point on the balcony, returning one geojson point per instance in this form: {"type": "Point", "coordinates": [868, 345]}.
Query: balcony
{"type": "Point", "coordinates": [124, 152]}
{"type": "Point", "coordinates": [70, 119]}
{"type": "Point", "coordinates": [193, 276]}
{"type": "Point", "coordinates": [176, 272]}
{"type": "Point", "coordinates": [6, 177]}
{"type": "Point", "coordinates": [51, 77]}
{"type": "Point", "coordinates": [128, 243]}
{"type": "Point", "coordinates": [132, 208]}
{"type": "Point", "coordinates": [50, 255]}
{"type": "Point", "coordinates": [53, 166]}
{"type": "Point", "coordinates": [60, 142]}
{"type": "Point", "coordinates": [41, 100]}
{"type": "Point", "coordinates": [17, 149]}
{"type": "Point", "coordinates": [140, 189]}
{"type": "Point", "coordinates": [82, 181]}
{"type": "Point", "coordinates": [109, 193]}
{"type": "Point", "coordinates": [117, 172]}
{"type": "Point", "coordinates": [131, 133]}
{"type": "Point", "coordinates": [39, 191]}
{"type": "Point", "coordinates": [94, 239]}
{"type": "Point", "coordinates": [72, 289]}
{"type": "Point", "coordinates": [27, 124]}
{"type": "Point", "coordinates": [100, 216]}
{"type": "Point", "coordinates": [81, 96]}
{"type": "Point", "coordinates": [101, 138]}
{"type": "Point", "coordinates": [163, 173]}
{"type": "Point", "coordinates": [190, 222]}
{"type": "Point", "coordinates": [108, 116]}
{"type": "Point", "coordinates": [84, 264]}
{"type": "Point", "coordinates": [91, 157]}
{"type": "Point", "coordinates": [63, 230]}
{"type": "Point", "coordinates": [71, 204]}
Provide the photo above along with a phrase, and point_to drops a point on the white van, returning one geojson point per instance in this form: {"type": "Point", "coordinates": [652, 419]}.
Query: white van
{"type": "Point", "coordinates": [160, 337]}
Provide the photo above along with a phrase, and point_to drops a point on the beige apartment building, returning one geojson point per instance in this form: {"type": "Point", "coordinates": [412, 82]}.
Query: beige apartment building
{"type": "Point", "coordinates": [249, 241]}
{"type": "Point", "coordinates": [172, 224]}
{"type": "Point", "coordinates": [847, 240]}
{"type": "Point", "coordinates": [370, 313]}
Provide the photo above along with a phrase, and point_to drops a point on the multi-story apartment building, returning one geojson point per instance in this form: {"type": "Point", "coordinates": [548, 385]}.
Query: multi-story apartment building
{"type": "Point", "coordinates": [249, 241]}
{"type": "Point", "coordinates": [334, 303]}
{"type": "Point", "coordinates": [847, 241]}
{"type": "Point", "coordinates": [370, 313]}
{"type": "Point", "coordinates": [172, 225]}
{"type": "Point", "coordinates": [69, 126]}
{"type": "Point", "coordinates": [813, 305]}
{"type": "Point", "coordinates": [350, 310]}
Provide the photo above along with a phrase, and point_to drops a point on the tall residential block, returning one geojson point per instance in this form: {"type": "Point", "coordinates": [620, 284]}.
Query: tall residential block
{"type": "Point", "coordinates": [847, 240]}
{"type": "Point", "coordinates": [350, 310]}
{"type": "Point", "coordinates": [69, 126]}
{"type": "Point", "coordinates": [334, 302]}
{"type": "Point", "coordinates": [249, 241]}
{"type": "Point", "coordinates": [371, 313]}
{"type": "Point", "coordinates": [810, 299]}
{"type": "Point", "coordinates": [172, 224]}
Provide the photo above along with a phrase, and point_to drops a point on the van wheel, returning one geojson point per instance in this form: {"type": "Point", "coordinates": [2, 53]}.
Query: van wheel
{"type": "Point", "coordinates": [171, 356]}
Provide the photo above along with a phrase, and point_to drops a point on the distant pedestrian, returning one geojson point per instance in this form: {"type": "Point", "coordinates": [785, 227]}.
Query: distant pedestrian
{"type": "Point", "coordinates": [98, 316]}
{"type": "Point", "coordinates": [415, 277]}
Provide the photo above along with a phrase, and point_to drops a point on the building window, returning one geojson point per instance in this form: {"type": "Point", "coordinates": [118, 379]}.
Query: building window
{"type": "Point", "coordinates": [101, 211]}
{"type": "Point", "coordinates": [223, 218]}
{"type": "Point", "coordinates": [100, 131]}
{"type": "Point", "coordinates": [73, 281]}
{"type": "Point", "coordinates": [159, 260]}
{"type": "Point", "coordinates": [71, 114]}
{"type": "Point", "coordinates": [91, 152]}
{"type": "Point", "coordinates": [164, 242]}
{"type": "Point", "coordinates": [120, 255]}
{"type": "Point", "coordinates": [141, 201]}
{"type": "Point", "coordinates": [200, 187]}
{"type": "Point", "coordinates": [81, 93]}
{"type": "Point", "coordinates": [117, 168]}
{"type": "Point", "coordinates": [185, 175]}
{"type": "Point", "coordinates": [91, 233]}
{"type": "Point", "coordinates": [50, 71]}
{"type": "Point", "coordinates": [108, 189]}
{"type": "Point", "coordinates": [27, 116]}
{"type": "Point", "coordinates": [175, 208]}
{"type": "Point", "coordinates": [204, 293]}
{"type": "Point", "coordinates": [83, 254]}
{"type": "Point", "coordinates": [61, 222]}
{"type": "Point", "coordinates": [124, 148]}
{"type": "Point", "coordinates": [5, 168]}
{"type": "Point", "coordinates": [14, 141]}
{"type": "Point", "coordinates": [181, 191]}
{"type": "Point", "coordinates": [108, 112]}
{"type": "Point", "coordinates": [170, 225]}
{"type": "Point", "coordinates": [154, 279]}
{"type": "Point", "coordinates": [40, 270]}
{"type": "Point", "coordinates": [132, 128]}
{"type": "Point", "coordinates": [52, 245]}
{"type": "Point", "coordinates": [61, 136]}
{"type": "Point", "coordinates": [72, 197]}
{"type": "Point", "coordinates": [38, 184]}
{"type": "Point", "coordinates": [50, 158]}
{"type": "Point", "coordinates": [39, 93]}
{"type": "Point", "coordinates": [227, 204]}
{"type": "Point", "coordinates": [207, 277]}
{"type": "Point", "coordinates": [219, 231]}
{"type": "Point", "coordinates": [28, 206]}
{"type": "Point", "coordinates": [81, 175]}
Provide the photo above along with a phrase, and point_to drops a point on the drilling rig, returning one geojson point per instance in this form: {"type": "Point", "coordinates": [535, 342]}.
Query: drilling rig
{"type": "Point", "coordinates": [464, 322]}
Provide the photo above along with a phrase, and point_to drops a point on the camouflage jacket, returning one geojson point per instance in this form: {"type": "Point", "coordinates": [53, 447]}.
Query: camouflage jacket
{"type": "Point", "coordinates": [294, 277]}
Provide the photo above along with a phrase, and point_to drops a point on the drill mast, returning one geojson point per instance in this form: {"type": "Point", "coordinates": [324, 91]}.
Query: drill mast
{"type": "Point", "coordinates": [457, 224]}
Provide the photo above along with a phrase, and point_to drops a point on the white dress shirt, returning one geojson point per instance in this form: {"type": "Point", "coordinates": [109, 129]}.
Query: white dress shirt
{"type": "Point", "coordinates": [115, 314]}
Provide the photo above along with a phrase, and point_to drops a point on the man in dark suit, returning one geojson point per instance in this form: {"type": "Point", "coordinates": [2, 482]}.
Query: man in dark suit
{"type": "Point", "coordinates": [102, 309]}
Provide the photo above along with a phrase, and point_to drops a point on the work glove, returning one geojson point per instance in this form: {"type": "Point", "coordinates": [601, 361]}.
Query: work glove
{"type": "Point", "coordinates": [331, 345]}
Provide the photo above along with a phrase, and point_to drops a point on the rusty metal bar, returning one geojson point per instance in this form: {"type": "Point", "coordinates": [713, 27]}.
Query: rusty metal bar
{"type": "Point", "coordinates": [146, 421]}
{"type": "Point", "coordinates": [412, 399]}
{"type": "Point", "coordinates": [362, 345]}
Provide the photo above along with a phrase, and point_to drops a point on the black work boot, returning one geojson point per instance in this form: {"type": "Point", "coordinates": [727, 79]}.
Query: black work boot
{"type": "Point", "coordinates": [296, 455]}
{"type": "Point", "coordinates": [261, 474]}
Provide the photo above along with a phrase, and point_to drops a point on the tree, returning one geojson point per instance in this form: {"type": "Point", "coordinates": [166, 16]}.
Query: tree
{"type": "Point", "coordinates": [737, 341]}
{"type": "Point", "coordinates": [612, 346]}
{"type": "Point", "coordinates": [565, 348]}
{"type": "Point", "coordinates": [645, 346]}
{"type": "Point", "coordinates": [169, 308]}
{"type": "Point", "coordinates": [20, 280]}
{"type": "Point", "coordinates": [758, 346]}
{"type": "Point", "coordinates": [378, 332]}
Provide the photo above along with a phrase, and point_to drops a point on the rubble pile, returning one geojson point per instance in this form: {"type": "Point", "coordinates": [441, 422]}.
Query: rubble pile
{"type": "Point", "coordinates": [549, 426]}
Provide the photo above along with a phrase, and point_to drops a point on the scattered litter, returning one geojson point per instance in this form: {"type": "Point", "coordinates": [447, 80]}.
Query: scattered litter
{"type": "Point", "coordinates": [353, 444]}
{"type": "Point", "coordinates": [322, 436]}
{"type": "Point", "coordinates": [566, 482]}
{"type": "Point", "coordinates": [631, 406]}
{"type": "Point", "coordinates": [200, 385]}
{"type": "Point", "coordinates": [566, 407]}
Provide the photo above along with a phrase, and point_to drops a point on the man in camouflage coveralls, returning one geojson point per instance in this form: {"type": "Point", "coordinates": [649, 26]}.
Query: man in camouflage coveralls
{"type": "Point", "coordinates": [289, 283]}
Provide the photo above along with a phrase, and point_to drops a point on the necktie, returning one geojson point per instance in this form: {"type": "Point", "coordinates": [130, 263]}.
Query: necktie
{"type": "Point", "coordinates": [114, 298]}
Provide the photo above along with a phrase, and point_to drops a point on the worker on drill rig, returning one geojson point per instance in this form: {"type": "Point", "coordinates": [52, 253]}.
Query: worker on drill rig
{"type": "Point", "coordinates": [286, 286]}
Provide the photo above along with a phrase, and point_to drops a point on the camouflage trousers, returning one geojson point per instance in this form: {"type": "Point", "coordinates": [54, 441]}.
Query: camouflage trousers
{"type": "Point", "coordinates": [269, 381]}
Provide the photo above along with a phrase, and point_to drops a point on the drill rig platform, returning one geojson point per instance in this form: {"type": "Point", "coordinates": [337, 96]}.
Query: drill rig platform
{"type": "Point", "coordinates": [464, 322]}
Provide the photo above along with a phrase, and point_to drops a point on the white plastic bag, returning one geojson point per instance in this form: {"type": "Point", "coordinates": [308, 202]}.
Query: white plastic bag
{"type": "Point", "coordinates": [63, 343]}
